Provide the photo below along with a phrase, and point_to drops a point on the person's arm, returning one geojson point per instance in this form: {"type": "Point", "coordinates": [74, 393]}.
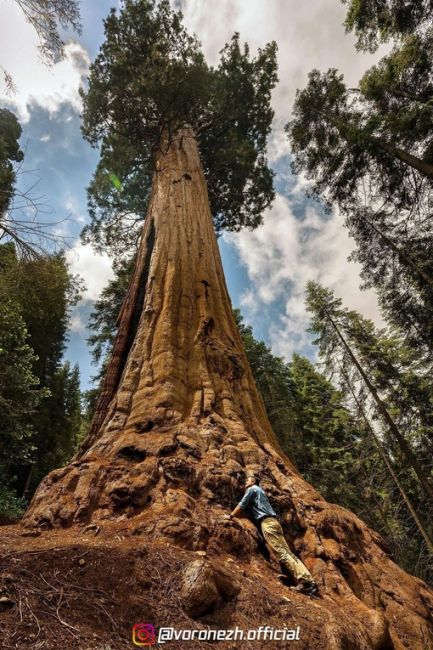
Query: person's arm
{"type": "Point", "coordinates": [243, 504]}
{"type": "Point", "coordinates": [236, 512]}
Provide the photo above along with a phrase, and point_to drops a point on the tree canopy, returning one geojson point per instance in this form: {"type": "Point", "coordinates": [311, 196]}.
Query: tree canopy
{"type": "Point", "coordinates": [376, 21]}
{"type": "Point", "coordinates": [10, 153]}
{"type": "Point", "coordinates": [354, 150]}
{"type": "Point", "coordinates": [149, 79]}
{"type": "Point", "coordinates": [38, 294]}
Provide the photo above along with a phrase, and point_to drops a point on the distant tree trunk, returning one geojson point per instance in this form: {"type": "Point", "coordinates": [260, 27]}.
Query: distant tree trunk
{"type": "Point", "coordinates": [26, 487]}
{"type": "Point", "coordinates": [426, 169]}
{"type": "Point", "coordinates": [388, 464]}
{"type": "Point", "coordinates": [180, 421]}
{"type": "Point", "coordinates": [405, 259]}
{"type": "Point", "coordinates": [402, 442]}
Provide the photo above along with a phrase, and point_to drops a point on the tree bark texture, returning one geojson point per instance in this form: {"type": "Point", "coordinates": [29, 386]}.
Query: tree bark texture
{"type": "Point", "coordinates": [180, 422]}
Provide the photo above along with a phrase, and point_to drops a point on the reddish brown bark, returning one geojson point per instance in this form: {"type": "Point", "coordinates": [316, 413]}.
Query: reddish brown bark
{"type": "Point", "coordinates": [183, 358]}
{"type": "Point", "coordinates": [179, 423]}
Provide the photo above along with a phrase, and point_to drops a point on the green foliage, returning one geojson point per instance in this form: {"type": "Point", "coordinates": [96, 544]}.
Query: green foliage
{"type": "Point", "coordinates": [399, 91]}
{"type": "Point", "coordinates": [376, 21]}
{"type": "Point", "coordinates": [44, 16]}
{"type": "Point", "coordinates": [368, 150]}
{"type": "Point", "coordinates": [57, 424]}
{"type": "Point", "coordinates": [395, 261]}
{"type": "Point", "coordinates": [50, 293]}
{"type": "Point", "coordinates": [402, 82]}
{"type": "Point", "coordinates": [403, 381]}
{"type": "Point", "coordinates": [18, 395]}
{"type": "Point", "coordinates": [19, 398]}
{"type": "Point", "coordinates": [402, 378]}
{"type": "Point", "coordinates": [42, 292]}
{"type": "Point", "coordinates": [273, 379]}
{"type": "Point", "coordinates": [353, 150]}
{"type": "Point", "coordinates": [12, 507]}
{"type": "Point", "coordinates": [149, 79]}
{"type": "Point", "coordinates": [10, 153]}
{"type": "Point", "coordinates": [329, 436]}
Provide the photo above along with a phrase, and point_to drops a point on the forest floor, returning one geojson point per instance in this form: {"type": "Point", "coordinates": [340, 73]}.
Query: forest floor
{"type": "Point", "coordinates": [80, 589]}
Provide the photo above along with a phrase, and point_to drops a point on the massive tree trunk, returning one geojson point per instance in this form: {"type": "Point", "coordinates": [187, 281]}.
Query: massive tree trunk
{"type": "Point", "coordinates": [180, 421]}
{"type": "Point", "coordinates": [178, 346]}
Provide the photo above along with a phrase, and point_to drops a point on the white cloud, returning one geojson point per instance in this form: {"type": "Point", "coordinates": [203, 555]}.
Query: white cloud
{"type": "Point", "coordinates": [308, 34]}
{"type": "Point", "coordinates": [96, 270]}
{"type": "Point", "coordinates": [76, 322]}
{"type": "Point", "coordinates": [282, 255]}
{"type": "Point", "coordinates": [74, 209]}
{"type": "Point", "coordinates": [36, 82]}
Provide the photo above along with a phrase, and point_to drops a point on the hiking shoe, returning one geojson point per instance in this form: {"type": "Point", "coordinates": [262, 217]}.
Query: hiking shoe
{"type": "Point", "coordinates": [307, 587]}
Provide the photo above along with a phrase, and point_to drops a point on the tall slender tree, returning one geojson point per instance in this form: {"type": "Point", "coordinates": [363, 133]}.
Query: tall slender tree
{"type": "Point", "coordinates": [386, 459]}
{"type": "Point", "coordinates": [44, 292]}
{"type": "Point", "coordinates": [335, 327]}
{"type": "Point", "coordinates": [368, 151]}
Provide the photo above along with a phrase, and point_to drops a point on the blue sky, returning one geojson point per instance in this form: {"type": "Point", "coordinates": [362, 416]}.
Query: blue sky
{"type": "Point", "coordinates": [266, 270]}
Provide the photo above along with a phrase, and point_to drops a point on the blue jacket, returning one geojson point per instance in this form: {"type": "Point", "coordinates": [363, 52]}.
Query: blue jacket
{"type": "Point", "coordinates": [256, 503]}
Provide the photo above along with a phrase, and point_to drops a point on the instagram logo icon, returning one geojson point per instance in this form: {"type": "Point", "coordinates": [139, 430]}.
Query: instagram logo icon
{"type": "Point", "coordinates": [143, 634]}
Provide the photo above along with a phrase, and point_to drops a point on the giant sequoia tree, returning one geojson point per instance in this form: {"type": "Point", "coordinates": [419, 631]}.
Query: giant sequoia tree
{"type": "Point", "coordinates": [179, 420]}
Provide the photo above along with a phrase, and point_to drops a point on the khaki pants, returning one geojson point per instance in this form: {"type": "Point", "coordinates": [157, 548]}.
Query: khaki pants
{"type": "Point", "coordinates": [274, 536]}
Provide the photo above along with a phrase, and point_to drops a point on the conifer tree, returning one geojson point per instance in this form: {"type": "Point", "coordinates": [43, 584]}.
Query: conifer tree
{"type": "Point", "coordinates": [341, 331]}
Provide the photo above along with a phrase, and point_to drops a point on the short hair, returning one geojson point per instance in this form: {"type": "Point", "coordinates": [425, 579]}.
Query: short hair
{"type": "Point", "coordinates": [255, 478]}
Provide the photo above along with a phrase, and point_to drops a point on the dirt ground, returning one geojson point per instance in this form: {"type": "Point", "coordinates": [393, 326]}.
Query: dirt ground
{"type": "Point", "coordinates": [78, 590]}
